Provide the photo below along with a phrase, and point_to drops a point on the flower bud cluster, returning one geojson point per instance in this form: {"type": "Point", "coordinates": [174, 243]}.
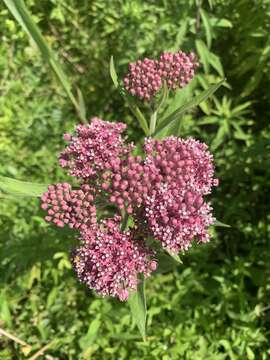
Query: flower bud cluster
{"type": "Point", "coordinates": [93, 147]}
{"type": "Point", "coordinates": [65, 206]}
{"type": "Point", "coordinates": [145, 77]}
{"type": "Point", "coordinates": [110, 260]}
{"type": "Point", "coordinates": [163, 191]}
{"type": "Point", "coordinates": [175, 209]}
{"type": "Point", "coordinates": [177, 69]}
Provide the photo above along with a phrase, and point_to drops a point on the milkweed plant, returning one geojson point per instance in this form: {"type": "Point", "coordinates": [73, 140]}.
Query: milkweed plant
{"type": "Point", "coordinates": [132, 206]}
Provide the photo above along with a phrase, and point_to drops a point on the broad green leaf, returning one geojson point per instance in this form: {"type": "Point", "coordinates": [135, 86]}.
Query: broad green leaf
{"type": "Point", "coordinates": [137, 305]}
{"type": "Point", "coordinates": [220, 136]}
{"type": "Point", "coordinates": [180, 35]}
{"type": "Point", "coordinates": [113, 73]}
{"type": "Point", "coordinates": [14, 187]}
{"type": "Point", "coordinates": [224, 23]}
{"type": "Point", "coordinates": [207, 26]}
{"type": "Point", "coordinates": [87, 340]}
{"type": "Point", "coordinates": [216, 64]}
{"type": "Point", "coordinates": [188, 106]}
{"type": "Point", "coordinates": [204, 54]}
{"type": "Point", "coordinates": [221, 224]}
{"type": "Point", "coordinates": [22, 15]}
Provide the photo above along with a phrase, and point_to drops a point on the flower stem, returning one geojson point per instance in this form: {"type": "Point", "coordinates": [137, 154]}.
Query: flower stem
{"type": "Point", "coordinates": [124, 221]}
{"type": "Point", "coordinates": [153, 122]}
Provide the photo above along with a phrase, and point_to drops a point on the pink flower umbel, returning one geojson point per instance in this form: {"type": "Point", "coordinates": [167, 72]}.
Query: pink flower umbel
{"type": "Point", "coordinates": [177, 68]}
{"type": "Point", "coordinates": [93, 147]}
{"type": "Point", "coordinates": [177, 219]}
{"type": "Point", "coordinates": [111, 260]}
{"type": "Point", "coordinates": [143, 79]}
{"type": "Point", "coordinates": [163, 191]}
{"type": "Point", "coordinates": [182, 173]}
{"type": "Point", "coordinates": [65, 206]}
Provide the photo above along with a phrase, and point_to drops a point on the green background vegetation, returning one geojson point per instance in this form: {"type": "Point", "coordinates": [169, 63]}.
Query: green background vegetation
{"type": "Point", "coordinates": [215, 305]}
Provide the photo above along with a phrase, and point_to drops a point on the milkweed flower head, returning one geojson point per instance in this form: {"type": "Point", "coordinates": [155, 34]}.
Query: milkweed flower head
{"type": "Point", "coordinates": [175, 220]}
{"type": "Point", "coordinates": [93, 147]}
{"type": "Point", "coordinates": [111, 260]}
{"type": "Point", "coordinates": [145, 77]}
{"type": "Point", "coordinates": [175, 209]}
{"type": "Point", "coordinates": [177, 69]}
{"type": "Point", "coordinates": [159, 194]}
{"type": "Point", "coordinates": [65, 206]}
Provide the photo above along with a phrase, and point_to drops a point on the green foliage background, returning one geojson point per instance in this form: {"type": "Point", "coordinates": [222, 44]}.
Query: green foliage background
{"type": "Point", "coordinates": [215, 305]}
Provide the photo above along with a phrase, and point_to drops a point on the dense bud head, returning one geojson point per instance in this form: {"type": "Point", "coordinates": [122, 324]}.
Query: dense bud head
{"type": "Point", "coordinates": [180, 68]}
{"type": "Point", "coordinates": [177, 226]}
{"type": "Point", "coordinates": [69, 207]}
{"type": "Point", "coordinates": [175, 208]}
{"type": "Point", "coordinates": [110, 260]}
{"type": "Point", "coordinates": [145, 77]}
{"type": "Point", "coordinates": [143, 80]}
{"type": "Point", "coordinates": [94, 148]}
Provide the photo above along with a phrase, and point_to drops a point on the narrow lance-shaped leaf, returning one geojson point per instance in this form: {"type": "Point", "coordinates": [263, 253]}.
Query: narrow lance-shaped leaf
{"type": "Point", "coordinates": [188, 106]}
{"type": "Point", "coordinates": [175, 256]}
{"type": "Point", "coordinates": [137, 305]}
{"type": "Point", "coordinates": [163, 97]}
{"type": "Point", "coordinates": [207, 26]}
{"type": "Point", "coordinates": [14, 187]}
{"type": "Point", "coordinates": [113, 73]}
{"type": "Point", "coordinates": [221, 224]}
{"type": "Point", "coordinates": [21, 14]}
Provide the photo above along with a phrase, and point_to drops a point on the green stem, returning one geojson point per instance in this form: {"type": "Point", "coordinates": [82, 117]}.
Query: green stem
{"type": "Point", "coordinates": [153, 122]}
{"type": "Point", "coordinates": [124, 221]}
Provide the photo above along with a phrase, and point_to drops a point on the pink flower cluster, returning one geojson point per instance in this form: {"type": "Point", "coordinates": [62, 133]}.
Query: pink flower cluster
{"type": "Point", "coordinates": [162, 191]}
{"type": "Point", "coordinates": [93, 148]}
{"type": "Point", "coordinates": [110, 260]}
{"type": "Point", "coordinates": [182, 172]}
{"type": "Point", "coordinates": [145, 77]}
{"type": "Point", "coordinates": [177, 69]}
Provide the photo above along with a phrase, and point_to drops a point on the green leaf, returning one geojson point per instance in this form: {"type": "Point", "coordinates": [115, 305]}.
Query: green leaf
{"type": "Point", "coordinates": [137, 305]}
{"type": "Point", "coordinates": [204, 54]}
{"type": "Point", "coordinates": [180, 35]}
{"type": "Point", "coordinates": [224, 23]}
{"type": "Point", "coordinates": [188, 106]}
{"type": "Point", "coordinates": [163, 97]}
{"type": "Point", "coordinates": [5, 314]}
{"type": "Point", "coordinates": [207, 26]}
{"type": "Point", "coordinates": [22, 15]}
{"type": "Point", "coordinates": [87, 340]}
{"type": "Point", "coordinates": [216, 64]}
{"type": "Point", "coordinates": [220, 136]}
{"type": "Point", "coordinates": [175, 256]}
{"type": "Point", "coordinates": [138, 114]}
{"type": "Point", "coordinates": [14, 187]}
{"type": "Point", "coordinates": [81, 103]}
{"type": "Point", "coordinates": [165, 263]}
{"type": "Point", "coordinates": [221, 224]}
{"type": "Point", "coordinates": [113, 73]}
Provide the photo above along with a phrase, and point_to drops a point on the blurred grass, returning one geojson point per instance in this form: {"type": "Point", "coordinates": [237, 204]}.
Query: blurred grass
{"type": "Point", "coordinates": [215, 305]}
